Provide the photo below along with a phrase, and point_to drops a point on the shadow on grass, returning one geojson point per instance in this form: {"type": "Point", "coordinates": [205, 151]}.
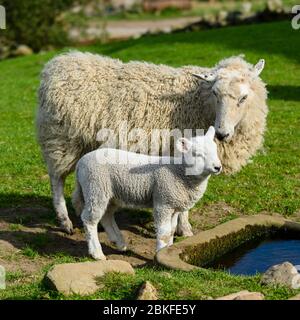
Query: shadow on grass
{"type": "Point", "coordinates": [32, 227]}
{"type": "Point", "coordinates": [52, 242]}
{"type": "Point", "coordinates": [16, 200]}
{"type": "Point", "coordinates": [35, 211]}
{"type": "Point", "coordinates": [281, 92]}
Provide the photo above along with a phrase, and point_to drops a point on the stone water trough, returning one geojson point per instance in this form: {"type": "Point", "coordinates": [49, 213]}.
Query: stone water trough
{"type": "Point", "coordinates": [202, 249]}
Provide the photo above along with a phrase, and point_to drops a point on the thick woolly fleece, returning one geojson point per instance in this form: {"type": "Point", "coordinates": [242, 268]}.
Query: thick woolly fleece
{"type": "Point", "coordinates": [80, 93]}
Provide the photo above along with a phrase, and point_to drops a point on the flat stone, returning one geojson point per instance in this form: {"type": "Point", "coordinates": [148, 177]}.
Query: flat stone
{"type": "Point", "coordinates": [147, 292]}
{"type": "Point", "coordinates": [243, 295]}
{"type": "Point", "coordinates": [282, 274]}
{"type": "Point", "coordinates": [23, 50]}
{"type": "Point", "coordinates": [81, 278]}
{"type": "Point", "coordinates": [297, 297]}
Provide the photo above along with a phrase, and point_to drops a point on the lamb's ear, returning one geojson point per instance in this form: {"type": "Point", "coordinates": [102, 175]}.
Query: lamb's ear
{"type": "Point", "coordinates": [210, 132]}
{"type": "Point", "coordinates": [258, 68]}
{"type": "Point", "coordinates": [209, 77]}
{"type": "Point", "coordinates": [183, 145]}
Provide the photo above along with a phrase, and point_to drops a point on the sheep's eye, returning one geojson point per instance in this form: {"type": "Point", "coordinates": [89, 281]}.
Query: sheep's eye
{"type": "Point", "coordinates": [242, 99]}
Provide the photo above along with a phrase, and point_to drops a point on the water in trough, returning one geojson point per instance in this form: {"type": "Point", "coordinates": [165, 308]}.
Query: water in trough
{"type": "Point", "coordinates": [258, 256]}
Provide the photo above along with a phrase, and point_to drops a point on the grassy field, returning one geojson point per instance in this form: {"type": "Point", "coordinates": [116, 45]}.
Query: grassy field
{"type": "Point", "coordinates": [270, 184]}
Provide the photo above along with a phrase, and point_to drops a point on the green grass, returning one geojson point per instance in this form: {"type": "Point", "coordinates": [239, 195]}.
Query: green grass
{"type": "Point", "coordinates": [270, 183]}
{"type": "Point", "coordinates": [200, 284]}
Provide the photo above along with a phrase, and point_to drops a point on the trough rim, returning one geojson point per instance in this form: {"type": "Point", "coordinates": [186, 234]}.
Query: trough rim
{"type": "Point", "coordinates": [169, 257]}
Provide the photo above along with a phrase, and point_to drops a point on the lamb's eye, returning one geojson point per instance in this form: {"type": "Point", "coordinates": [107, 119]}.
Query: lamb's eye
{"type": "Point", "coordinates": [242, 99]}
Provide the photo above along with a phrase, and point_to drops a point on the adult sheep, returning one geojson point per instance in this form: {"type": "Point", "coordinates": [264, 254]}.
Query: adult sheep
{"type": "Point", "coordinates": [80, 93]}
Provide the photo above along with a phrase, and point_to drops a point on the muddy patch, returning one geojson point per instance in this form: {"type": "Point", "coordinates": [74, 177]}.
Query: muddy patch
{"type": "Point", "coordinates": [211, 215]}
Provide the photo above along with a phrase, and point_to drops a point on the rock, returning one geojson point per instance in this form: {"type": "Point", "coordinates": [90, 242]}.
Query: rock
{"type": "Point", "coordinates": [250, 296]}
{"type": "Point", "coordinates": [89, 10]}
{"type": "Point", "coordinates": [209, 19]}
{"type": "Point", "coordinates": [222, 17]}
{"type": "Point", "coordinates": [81, 278]}
{"type": "Point", "coordinates": [275, 5]}
{"type": "Point", "coordinates": [23, 50]}
{"type": "Point", "coordinates": [147, 292]}
{"type": "Point", "coordinates": [76, 9]}
{"type": "Point", "coordinates": [282, 274]}
{"type": "Point", "coordinates": [4, 51]}
{"type": "Point", "coordinates": [246, 7]}
{"type": "Point", "coordinates": [2, 277]}
{"type": "Point", "coordinates": [125, 4]}
{"type": "Point", "coordinates": [297, 297]}
{"type": "Point", "coordinates": [243, 295]}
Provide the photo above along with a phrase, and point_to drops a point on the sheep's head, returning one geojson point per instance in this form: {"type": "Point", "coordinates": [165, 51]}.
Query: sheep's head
{"type": "Point", "coordinates": [231, 90]}
{"type": "Point", "coordinates": [200, 154]}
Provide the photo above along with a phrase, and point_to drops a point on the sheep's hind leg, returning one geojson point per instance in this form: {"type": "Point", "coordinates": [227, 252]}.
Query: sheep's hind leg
{"type": "Point", "coordinates": [57, 187]}
{"type": "Point", "coordinates": [111, 228]}
{"type": "Point", "coordinates": [90, 219]}
{"type": "Point", "coordinates": [174, 225]}
{"type": "Point", "coordinates": [184, 228]}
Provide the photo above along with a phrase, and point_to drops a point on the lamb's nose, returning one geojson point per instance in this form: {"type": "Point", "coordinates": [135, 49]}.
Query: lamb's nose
{"type": "Point", "coordinates": [221, 136]}
{"type": "Point", "coordinates": [218, 169]}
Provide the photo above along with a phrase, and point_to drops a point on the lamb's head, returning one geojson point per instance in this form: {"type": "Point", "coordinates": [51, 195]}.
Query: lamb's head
{"type": "Point", "coordinates": [200, 154]}
{"type": "Point", "coordinates": [231, 85]}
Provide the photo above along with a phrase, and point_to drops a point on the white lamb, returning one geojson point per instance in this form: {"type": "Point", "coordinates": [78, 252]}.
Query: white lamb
{"type": "Point", "coordinates": [103, 185]}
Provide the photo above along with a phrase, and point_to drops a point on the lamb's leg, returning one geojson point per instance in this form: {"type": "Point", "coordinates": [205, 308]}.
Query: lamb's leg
{"type": "Point", "coordinates": [174, 225]}
{"type": "Point", "coordinates": [90, 219]}
{"type": "Point", "coordinates": [57, 187]}
{"type": "Point", "coordinates": [184, 228]}
{"type": "Point", "coordinates": [111, 228]}
{"type": "Point", "coordinates": [163, 225]}
{"type": "Point", "coordinates": [77, 199]}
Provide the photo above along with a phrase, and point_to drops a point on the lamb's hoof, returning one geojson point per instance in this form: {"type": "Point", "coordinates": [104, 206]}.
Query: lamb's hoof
{"type": "Point", "coordinates": [187, 233]}
{"type": "Point", "coordinates": [98, 256]}
{"type": "Point", "coordinates": [122, 247]}
{"type": "Point", "coordinates": [67, 226]}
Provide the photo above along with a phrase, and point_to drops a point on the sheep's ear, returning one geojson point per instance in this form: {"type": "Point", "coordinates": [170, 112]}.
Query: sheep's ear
{"type": "Point", "coordinates": [183, 145]}
{"type": "Point", "coordinates": [258, 68]}
{"type": "Point", "coordinates": [210, 132]}
{"type": "Point", "coordinates": [209, 77]}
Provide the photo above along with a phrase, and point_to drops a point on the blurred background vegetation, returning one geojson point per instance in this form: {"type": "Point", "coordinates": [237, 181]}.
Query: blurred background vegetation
{"type": "Point", "coordinates": [33, 25]}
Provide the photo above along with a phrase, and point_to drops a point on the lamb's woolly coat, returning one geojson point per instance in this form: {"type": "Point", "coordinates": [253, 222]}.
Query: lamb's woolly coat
{"type": "Point", "coordinates": [103, 185]}
{"type": "Point", "coordinates": [81, 93]}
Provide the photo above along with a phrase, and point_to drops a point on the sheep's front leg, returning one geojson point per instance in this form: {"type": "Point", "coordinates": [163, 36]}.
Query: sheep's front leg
{"type": "Point", "coordinates": [184, 228]}
{"type": "Point", "coordinates": [90, 219]}
{"type": "Point", "coordinates": [163, 225]}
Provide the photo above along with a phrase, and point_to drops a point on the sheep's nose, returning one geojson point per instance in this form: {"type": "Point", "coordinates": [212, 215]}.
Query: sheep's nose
{"type": "Point", "coordinates": [218, 169]}
{"type": "Point", "coordinates": [221, 136]}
